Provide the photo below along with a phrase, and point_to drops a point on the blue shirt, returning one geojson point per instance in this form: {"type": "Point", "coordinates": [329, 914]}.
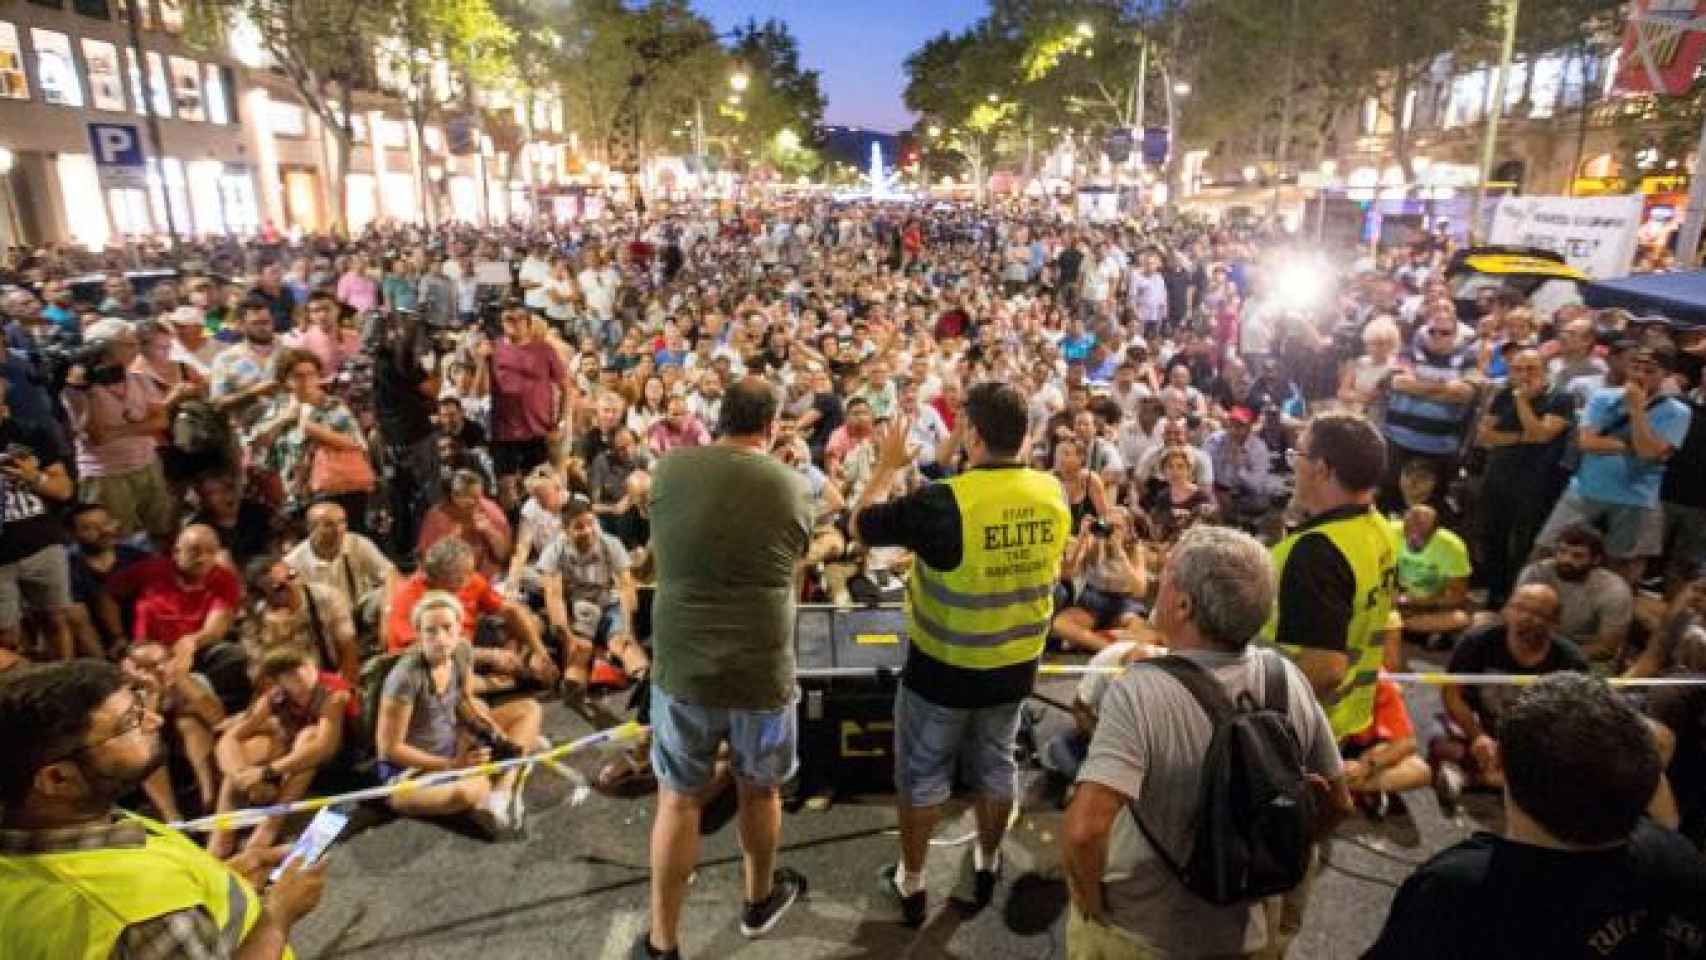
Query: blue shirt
{"type": "Point", "coordinates": [1077, 348]}
{"type": "Point", "coordinates": [63, 319]}
{"type": "Point", "coordinates": [1624, 478]}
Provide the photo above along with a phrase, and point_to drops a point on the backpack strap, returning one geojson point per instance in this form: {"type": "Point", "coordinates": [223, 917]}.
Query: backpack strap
{"type": "Point", "coordinates": [1274, 682]}
{"type": "Point", "coordinates": [1201, 684]}
{"type": "Point", "coordinates": [327, 655]}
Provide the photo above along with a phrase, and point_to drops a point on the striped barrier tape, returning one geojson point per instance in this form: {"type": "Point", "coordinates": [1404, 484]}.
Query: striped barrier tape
{"type": "Point", "coordinates": [1427, 679]}
{"type": "Point", "coordinates": [252, 816]}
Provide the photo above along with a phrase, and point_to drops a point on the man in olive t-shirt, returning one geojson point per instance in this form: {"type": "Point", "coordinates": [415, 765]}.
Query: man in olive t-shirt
{"type": "Point", "coordinates": [729, 526]}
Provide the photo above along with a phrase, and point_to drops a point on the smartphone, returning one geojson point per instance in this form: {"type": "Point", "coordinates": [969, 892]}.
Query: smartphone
{"type": "Point", "coordinates": [312, 845]}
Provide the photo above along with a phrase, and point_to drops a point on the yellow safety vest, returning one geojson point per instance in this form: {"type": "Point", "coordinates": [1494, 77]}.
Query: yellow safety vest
{"type": "Point", "coordinates": [993, 610]}
{"type": "Point", "coordinates": [1370, 546]}
{"type": "Point", "coordinates": [73, 905]}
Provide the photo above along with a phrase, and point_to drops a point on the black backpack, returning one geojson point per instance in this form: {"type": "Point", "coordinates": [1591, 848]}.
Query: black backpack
{"type": "Point", "coordinates": [1251, 830]}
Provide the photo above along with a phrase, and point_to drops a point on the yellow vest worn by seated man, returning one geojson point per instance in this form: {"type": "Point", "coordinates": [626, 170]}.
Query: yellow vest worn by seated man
{"type": "Point", "coordinates": [73, 905]}
{"type": "Point", "coordinates": [1368, 544]}
{"type": "Point", "coordinates": [993, 610]}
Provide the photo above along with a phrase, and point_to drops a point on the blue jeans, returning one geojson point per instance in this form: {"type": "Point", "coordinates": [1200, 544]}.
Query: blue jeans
{"type": "Point", "coordinates": [685, 738]}
{"type": "Point", "coordinates": [931, 740]}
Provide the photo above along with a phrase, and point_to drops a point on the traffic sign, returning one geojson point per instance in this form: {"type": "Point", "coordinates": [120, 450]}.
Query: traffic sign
{"type": "Point", "coordinates": [1118, 144]}
{"type": "Point", "coordinates": [1155, 145]}
{"type": "Point", "coordinates": [118, 155]}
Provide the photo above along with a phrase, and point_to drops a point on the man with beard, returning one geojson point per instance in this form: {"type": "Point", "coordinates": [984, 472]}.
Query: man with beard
{"type": "Point", "coordinates": [1523, 641]}
{"type": "Point", "coordinates": [95, 556]}
{"type": "Point", "coordinates": [80, 877]}
{"type": "Point", "coordinates": [1596, 606]}
{"type": "Point", "coordinates": [590, 598]}
{"type": "Point", "coordinates": [242, 374]}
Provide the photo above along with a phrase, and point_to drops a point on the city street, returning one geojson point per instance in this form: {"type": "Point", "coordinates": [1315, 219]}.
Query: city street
{"type": "Point", "coordinates": [578, 886]}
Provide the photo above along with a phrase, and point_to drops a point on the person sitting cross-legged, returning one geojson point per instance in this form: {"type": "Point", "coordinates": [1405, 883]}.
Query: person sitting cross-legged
{"type": "Point", "coordinates": [273, 751]}
{"type": "Point", "coordinates": [1433, 576]}
{"type": "Point", "coordinates": [430, 720]}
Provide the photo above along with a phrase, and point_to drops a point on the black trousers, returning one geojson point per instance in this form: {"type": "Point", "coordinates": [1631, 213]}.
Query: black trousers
{"type": "Point", "coordinates": [1512, 513]}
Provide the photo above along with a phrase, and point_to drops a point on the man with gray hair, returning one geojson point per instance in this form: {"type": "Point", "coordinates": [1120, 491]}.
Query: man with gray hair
{"type": "Point", "coordinates": [1147, 756]}
{"type": "Point", "coordinates": [116, 417]}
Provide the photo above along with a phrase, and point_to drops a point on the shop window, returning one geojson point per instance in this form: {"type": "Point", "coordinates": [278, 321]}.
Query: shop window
{"type": "Point", "coordinates": [186, 89]}
{"type": "Point", "coordinates": [218, 102]}
{"type": "Point", "coordinates": [56, 69]}
{"type": "Point", "coordinates": [13, 83]}
{"type": "Point", "coordinates": [106, 83]}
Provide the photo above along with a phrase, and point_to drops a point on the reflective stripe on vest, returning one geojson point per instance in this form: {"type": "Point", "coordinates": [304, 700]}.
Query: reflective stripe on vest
{"type": "Point", "coordinates": [1369, 544]}
{"type": "Point", "coordinates": [994, 609]}
{"type": "Point", "coordinates": [79, 902]}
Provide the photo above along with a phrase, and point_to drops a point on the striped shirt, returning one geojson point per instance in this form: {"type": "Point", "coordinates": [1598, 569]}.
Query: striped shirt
{"type": "Point", "coordinates": [1422, 424]}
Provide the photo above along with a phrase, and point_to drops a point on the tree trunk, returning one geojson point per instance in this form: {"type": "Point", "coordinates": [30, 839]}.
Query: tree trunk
{"type": "Point", "coordinates": [1401, 130]}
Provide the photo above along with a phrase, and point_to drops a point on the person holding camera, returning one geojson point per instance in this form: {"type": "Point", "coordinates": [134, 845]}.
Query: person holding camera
{"type": "Point", "coordinates": [1110, 556]}
{"type": "Point", "coordinates": [116, 419]}
{"type": "Point", "coordinates": [430, 720]}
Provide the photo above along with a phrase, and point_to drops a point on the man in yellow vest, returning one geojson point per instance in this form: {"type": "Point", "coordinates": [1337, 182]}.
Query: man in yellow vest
{"type": "Point", "coordinates": [1338, 572]}
{"type": "Point", "coordinates": [83, 880]}
{"type": "Point", "coordinates": [1338, 581]}
{"type": "Point", "coordinates": [987, 548]}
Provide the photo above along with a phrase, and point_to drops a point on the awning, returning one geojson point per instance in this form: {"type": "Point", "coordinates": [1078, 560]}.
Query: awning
{"type": "Point", "coordinates": [1680, 297]}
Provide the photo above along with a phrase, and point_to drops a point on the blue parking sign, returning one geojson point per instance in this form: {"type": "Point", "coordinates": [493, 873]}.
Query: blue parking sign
{"type": "Point", "coordinates": [118, 154]}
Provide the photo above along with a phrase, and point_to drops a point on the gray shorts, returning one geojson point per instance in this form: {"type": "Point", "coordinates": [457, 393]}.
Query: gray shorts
{"type": "Point", "coordinates": [1629, 531]}
{"type": "Point", "coordinates": [685, 738]}
{"type": "Point", "coordinates": [931, 741]}
{"type": "Point", "coordinates": [42, 580]}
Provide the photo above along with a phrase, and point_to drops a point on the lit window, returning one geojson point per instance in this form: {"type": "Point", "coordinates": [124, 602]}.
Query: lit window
{"type": "Point", "coordinates": [186, 89]}
{"type": "Point", "coordinates": [13, 84]}
{"type": "Point", "coordinates": [159, 89]}
{"type": "Point", "coordinates": [123, 9]}
{"type": "Point", "coordinates": [106, 84]}
{"type": "Point", "coordinates": [217, 108]}
{"type": "Point", "coordinates": [172, 15]}
{"type": "Point", "coordinates": [56, 70]}
{"type": "Point", "coordinates": [287, 119]}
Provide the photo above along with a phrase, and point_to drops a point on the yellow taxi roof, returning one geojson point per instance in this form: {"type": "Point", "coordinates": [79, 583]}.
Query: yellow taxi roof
{"type": "Point", "coordinates": [1508, 263]}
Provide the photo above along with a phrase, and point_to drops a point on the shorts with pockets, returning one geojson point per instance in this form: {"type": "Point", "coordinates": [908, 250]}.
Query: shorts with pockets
{"type": "Point", "coordinates": [41, 580]}
{"type": "Point", "coordinates": [685, 738]}
{"type": "Point", "coordinates": [931, 742]}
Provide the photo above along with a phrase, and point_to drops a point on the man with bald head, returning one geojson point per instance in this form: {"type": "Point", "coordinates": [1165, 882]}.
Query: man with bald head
{"type": "Point", "coordinates": [334, 557]}
{"type": "Point", "coordinates": [1575, 357]}
{"type": "Point", "coordinates": [185, 601]}
{"type": "Point", "coordinates": [1524, 640]}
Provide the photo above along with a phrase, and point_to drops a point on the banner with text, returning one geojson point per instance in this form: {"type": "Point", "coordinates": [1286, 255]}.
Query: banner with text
{"type": "Point", "coordinates": [1675, 52]}
{"type": "Point", "coordinates": [1595, 234]}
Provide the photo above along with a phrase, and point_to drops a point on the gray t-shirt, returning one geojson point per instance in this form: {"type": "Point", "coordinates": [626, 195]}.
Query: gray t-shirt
{"type": "Point", "coordinates": [1149, 744]}
{"type": "Point", "coordinates": [1602, 601]}
{"type": "Point", "coordinates": [432, 724]}
{"type": "Point", "coordinates": [588, 577]}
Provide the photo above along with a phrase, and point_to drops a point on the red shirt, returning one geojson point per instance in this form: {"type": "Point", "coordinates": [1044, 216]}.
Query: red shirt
{"type": "Point", "coordinates": [477, 596]}
{"type": "Point", "coordinates": [166, 609]}
{"type": "Point", "coordinates": [525, 380]}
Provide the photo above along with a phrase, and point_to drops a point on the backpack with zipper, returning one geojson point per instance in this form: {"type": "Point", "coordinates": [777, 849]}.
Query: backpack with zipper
{"type": "Point", "coordinates": [1250, 834]}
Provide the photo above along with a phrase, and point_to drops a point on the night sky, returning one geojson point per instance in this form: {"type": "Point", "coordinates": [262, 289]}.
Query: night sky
{"type": "Point", "coordinates": [857, 46]}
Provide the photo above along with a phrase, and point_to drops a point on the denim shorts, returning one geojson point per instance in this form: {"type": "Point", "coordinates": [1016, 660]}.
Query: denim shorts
{"type": "Point", "coordinates": [931, 741]}
{"type": "Point", "coordinates": [1106, 609]}
{"type": "Point", "coordinates": [685, 738]}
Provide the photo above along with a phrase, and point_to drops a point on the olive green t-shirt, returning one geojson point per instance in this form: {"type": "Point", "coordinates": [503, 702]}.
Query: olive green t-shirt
{"type": "Point", "coordinates": [729, 525]}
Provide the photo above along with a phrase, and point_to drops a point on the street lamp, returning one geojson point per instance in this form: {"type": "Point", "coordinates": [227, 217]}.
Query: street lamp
{"type": "Point", "coordinates": [788, 140]}
{"type": "Point", "coordinates": [934, 131]}
{"type": "Point", "coordinates": [1085, 30]}
{"type": "Point", "coordinates": [7, 158]}
{"type": "Point", "coordinates": [738, 80]}
{"type": "Point", "coordinates": [1181, 89]}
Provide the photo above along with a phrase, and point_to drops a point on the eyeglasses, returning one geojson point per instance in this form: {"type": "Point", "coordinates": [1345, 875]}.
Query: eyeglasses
{"type": "Point", "coordinates": [129, 723]}
{"type": "Point", "coordinates": [1294, 456]}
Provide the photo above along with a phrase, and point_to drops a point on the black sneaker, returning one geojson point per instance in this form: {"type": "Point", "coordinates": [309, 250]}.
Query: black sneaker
{"type": "Point", "coordinates": [983, 881]}
{"type": "Point", "coordinates": [913, 908]}
{"type": "Point", "coordinates": [643, 950]}
{"type": "Point", "coordinates": [786, 886]}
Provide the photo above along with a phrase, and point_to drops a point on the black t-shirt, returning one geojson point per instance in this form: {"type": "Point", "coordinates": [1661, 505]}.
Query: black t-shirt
{"type": "Point", "coordinates": [927, 522]}
{"type": "Point", "coordinates": [1067, 264]}
{"type": "Point", "coordinates": [405, 416]}
{"type": "Point", "coordinates": [1529, 464]}
{"type": "Point", "coordinates": [1683, 711]}
{"type": "Point", "coordinates": [1685, 471]}
{"type": "Point", "coordinates": [32, 523]}
{"type": "Point", "coordinates": [830, 416]}
{"type": "Point", "coordinates": [1317, 589]}
{"type": "Point", "coordinates": [1489, 897]}
{"type": "Point", "coordinates": [1484, 650]}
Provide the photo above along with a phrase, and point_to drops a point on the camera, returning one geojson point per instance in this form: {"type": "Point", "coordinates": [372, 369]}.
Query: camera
{"type": "Point", "coordinates": [502, 747]}
{"type": "Point", "coordinates": [1100, 528]}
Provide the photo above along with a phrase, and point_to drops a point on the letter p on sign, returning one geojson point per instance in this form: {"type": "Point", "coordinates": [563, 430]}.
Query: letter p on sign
{"type": "Point", "coordinates": [118, 154]}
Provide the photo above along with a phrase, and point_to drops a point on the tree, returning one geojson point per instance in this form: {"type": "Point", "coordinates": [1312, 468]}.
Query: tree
{"type": "Point", "coordinates": [966, 84]}
{"type": "Point", "coordinates": [323, 47]}
{"type": "Point", "coordinates": [779, 95]}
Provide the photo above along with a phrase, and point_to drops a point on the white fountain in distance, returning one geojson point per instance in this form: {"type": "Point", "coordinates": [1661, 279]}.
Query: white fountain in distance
{"type": "Point", "coordinates": [879, 183]}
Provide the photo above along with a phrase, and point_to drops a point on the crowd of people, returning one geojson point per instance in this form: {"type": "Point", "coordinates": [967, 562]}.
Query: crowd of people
{"type": "Point", "coordinates": [343, 511]}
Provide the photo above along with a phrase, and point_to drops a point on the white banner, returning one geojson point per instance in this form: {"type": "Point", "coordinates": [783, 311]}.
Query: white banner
{"type": "Point", "coordinates": [1595, 234]}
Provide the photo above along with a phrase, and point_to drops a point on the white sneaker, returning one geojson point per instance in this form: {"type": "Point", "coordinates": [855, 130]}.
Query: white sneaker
{"type": "Point", "coordinates": [517, 815]}
{"type": "Point", "coordinates": [492, 817]}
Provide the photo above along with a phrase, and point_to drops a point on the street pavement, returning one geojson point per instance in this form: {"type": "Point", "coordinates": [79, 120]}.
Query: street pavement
{"type": "Point", "coordinates": [577, 887]}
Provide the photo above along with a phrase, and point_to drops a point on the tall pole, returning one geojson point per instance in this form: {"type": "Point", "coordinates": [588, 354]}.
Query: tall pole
{"type": "Point", "coordinates": [1142, 78]}
{"type": "Point", "coordinates": [1490, 138]}
{"type": "Point", "coordinates": [1282, 150]}
{"type": "Point", "coordinates": [149, 92]}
